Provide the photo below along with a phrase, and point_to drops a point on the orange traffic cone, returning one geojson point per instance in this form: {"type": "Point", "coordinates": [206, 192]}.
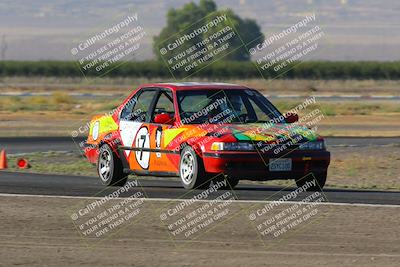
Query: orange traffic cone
{"type": "Point", "coordinates": [23, 163]}
{"type": "Point", "coordinates": [3, 160]}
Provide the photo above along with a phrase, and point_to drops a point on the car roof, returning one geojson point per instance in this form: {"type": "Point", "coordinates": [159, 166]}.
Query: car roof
{"type": "Point", "coordinates": [178, 86]}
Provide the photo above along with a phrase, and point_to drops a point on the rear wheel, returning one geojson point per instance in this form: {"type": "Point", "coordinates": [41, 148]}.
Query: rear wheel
{"type": "Point", "coordinates": [109, 167]}
{"type": "Point", "coordinates": [191, 170]}
{"type": "Point", "coordinates": [318, 177]}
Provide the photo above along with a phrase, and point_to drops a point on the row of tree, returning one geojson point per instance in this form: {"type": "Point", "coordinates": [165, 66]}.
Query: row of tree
{"type": "Point", "coordinates": [217, 70]}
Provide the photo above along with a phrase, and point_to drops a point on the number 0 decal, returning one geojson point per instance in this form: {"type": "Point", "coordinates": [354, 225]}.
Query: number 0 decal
{"type": "Point", "coordinates": [143, 141]}
{"type": "Point", "coordinates": [158, 140]}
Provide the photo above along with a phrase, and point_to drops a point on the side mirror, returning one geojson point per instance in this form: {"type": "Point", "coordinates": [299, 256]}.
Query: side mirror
{"type": "Point", "coordinates": [291, 117]}
{"type": "Point", "coordinates": [163, 118]}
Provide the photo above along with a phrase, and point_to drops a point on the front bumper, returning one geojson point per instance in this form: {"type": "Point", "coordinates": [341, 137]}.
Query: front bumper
{"type": "Point", "coordinates": [91, 151]}
{"type": "Point", "coordinates": [255, 166]}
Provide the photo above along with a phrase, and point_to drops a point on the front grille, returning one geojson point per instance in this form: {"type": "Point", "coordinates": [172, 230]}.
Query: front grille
{"type": "Point", "coordinates": [278, 148]}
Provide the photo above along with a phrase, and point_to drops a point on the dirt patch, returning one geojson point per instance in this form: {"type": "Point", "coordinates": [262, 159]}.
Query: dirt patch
{"type": "Point", "coordinates": [39, 232]}
{"type": "Point", "coordinates": [374, 167]}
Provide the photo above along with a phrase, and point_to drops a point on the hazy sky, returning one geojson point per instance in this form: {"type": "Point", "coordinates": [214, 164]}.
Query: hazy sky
{"type": "Point", "coordinates": [48, 29]}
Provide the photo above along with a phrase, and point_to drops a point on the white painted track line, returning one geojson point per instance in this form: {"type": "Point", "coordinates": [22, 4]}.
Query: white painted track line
{"type": "Point", "coordinates": [181, 200]}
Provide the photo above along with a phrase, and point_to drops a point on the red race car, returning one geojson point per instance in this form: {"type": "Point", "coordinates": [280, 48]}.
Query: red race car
{"type": "Point", "coordinates": [204, 132]}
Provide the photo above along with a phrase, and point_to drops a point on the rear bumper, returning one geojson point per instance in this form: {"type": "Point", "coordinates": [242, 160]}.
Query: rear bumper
{"type": "Point", "coordinates": [255, 166]}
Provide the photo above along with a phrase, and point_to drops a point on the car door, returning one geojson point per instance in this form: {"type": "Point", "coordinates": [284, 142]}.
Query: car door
{"type": "Point", "coordinates": [134, 128]}
{"type": "Point", "coordinates": [162, 161]}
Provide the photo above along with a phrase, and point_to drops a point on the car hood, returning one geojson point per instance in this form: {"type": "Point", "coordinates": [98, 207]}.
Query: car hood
{"type": "Point", "coordinates": [274, 133]}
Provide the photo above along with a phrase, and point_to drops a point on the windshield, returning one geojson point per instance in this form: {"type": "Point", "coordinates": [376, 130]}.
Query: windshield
{"type": "Point", "coordinates": [225, 106]}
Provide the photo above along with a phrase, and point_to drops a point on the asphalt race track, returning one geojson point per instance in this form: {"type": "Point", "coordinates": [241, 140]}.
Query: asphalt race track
{"type": "Point", "coordinates": [39, 144]}
{"type": "Point", "coordinates": [42, 144]}
{"type": "Point", "coordinates": [82, 186]}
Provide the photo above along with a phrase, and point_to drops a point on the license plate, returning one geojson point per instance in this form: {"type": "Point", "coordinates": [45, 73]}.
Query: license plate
{"type": "Point", "coordinates": [280, 165]}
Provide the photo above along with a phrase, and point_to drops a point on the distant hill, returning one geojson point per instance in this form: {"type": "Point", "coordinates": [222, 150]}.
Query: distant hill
{"type": "Point", "coordinates": [48, 29]}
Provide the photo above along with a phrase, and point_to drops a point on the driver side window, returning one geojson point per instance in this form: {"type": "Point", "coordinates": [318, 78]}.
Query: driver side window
{"type": "Point", "coordinates": [165, 105]}
{"type": "Point", "coordinates": [138, 106]}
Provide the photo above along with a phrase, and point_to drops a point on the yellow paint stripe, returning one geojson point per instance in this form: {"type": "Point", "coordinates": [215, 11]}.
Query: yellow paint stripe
{"type": "Point", "coordinates": [170, 134]}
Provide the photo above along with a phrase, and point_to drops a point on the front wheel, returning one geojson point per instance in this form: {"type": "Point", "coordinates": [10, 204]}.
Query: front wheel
{"type": "Point", "coordinates": [315, 181]}
{"type": "Point", "coordinates": [109, 167]}
{"type": "Point", "coordinates": [191, 170]}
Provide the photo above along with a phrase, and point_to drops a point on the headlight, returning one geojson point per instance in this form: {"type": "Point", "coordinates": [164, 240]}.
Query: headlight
{"type": "Point", "coordinates": [313, 145]}
{"type": "Point", "coordinates": [232, 146]}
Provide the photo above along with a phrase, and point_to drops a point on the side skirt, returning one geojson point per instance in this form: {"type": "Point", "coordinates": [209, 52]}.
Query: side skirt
{"type": "Point", "coordinates": [149, 173]}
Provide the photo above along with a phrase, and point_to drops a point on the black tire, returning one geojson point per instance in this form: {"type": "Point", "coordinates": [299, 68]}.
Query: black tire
{"type": "Point", "coordinates": [320, 178]}
{"type": "Point", "coordinates": [111, 173]}
{"type": "Point", "coordinates": [191, 170]}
